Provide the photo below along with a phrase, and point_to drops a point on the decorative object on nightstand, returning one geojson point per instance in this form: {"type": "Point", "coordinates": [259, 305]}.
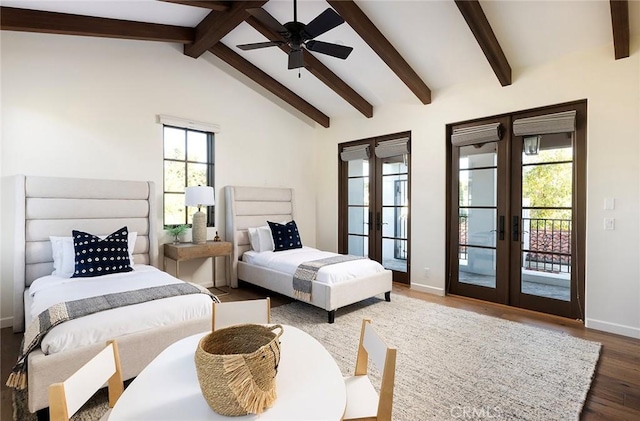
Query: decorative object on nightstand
{"type": "Point", "coordinates": [217, 238]}
{"type": "Point", "coordinates": [176, 231]}
{"type": "Point", "coordinates": [199, 196]}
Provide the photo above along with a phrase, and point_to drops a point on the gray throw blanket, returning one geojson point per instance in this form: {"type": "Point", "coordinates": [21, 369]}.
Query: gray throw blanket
{"type": "Point", "coordinates": [62, 312]}
{"type": "Point", "coordinates": [307, 272]}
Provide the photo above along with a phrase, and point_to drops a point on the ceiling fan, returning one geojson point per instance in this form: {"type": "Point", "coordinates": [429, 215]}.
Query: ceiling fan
{"type": "Point", "coordinates": [298, 35]}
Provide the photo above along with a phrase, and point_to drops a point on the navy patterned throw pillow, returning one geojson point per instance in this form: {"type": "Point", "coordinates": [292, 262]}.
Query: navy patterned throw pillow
{"type": "Point", "coordinates": [285, 237]}
{"type": "Point", "coordinates": [95, 256]}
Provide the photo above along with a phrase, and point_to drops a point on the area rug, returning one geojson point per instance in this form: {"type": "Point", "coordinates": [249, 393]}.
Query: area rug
{"type": "Point", "coordinates": [452, 364]}
{"type": "Point", "coordinates": [455, 364]}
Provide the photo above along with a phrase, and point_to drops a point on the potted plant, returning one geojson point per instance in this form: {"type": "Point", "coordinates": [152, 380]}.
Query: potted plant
{"type": "Point", "coordinates": [176, 231]}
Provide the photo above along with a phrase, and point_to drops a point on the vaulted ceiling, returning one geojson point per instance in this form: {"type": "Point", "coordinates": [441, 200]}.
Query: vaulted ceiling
{"type": "Point", "coordinates": [404, 51]}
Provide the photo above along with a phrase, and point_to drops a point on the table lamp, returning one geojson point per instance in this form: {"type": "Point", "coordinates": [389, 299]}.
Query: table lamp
{"type": "Point", "coordinates": [199, 196]}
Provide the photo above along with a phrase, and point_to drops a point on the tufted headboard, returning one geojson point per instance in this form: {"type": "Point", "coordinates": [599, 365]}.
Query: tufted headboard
{"type": "Point", "coordinates": [49, 206]}
{"type": "Point", "coordinates": [248, 207]}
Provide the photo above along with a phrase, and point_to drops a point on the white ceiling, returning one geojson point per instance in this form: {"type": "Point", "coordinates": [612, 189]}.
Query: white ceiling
{"type": "Point", "coordinates": [431, 35]}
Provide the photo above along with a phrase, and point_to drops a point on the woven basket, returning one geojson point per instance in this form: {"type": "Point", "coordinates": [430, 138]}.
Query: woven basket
{"type": "Point", "coordinates": [237, 368]}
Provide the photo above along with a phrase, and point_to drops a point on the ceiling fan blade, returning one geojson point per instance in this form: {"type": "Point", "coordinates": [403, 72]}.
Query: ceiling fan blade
{"type": "Point", "coordinates": [257, 45]}
{"type": "Point", "coordinates": [268, 20]}
{"type": "Point", "coordinates": [325, 21]}
{"type": "Point", "coordinates": [335, 50]}
{"type": "Point", "coordinates": [296, 59]}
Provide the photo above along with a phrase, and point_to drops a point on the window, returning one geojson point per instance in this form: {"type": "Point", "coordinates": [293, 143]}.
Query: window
{"type": "Point", "coordinates": [188, 161]}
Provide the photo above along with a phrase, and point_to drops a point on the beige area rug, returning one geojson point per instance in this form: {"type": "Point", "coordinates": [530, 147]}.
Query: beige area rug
{"type": "Point", "coordinates": [459, 365]}
{"type": "Point", "coordinates": [452, 364]}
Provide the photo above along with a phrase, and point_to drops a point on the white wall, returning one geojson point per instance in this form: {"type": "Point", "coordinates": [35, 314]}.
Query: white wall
{"type": "Point", "coordinates": [86, 107]}
{"type": "Point", "coordinates": [612, 89]}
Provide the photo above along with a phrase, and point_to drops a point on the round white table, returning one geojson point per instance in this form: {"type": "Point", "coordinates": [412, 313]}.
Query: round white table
{"type": "Point", "coordinates": [309, 385]}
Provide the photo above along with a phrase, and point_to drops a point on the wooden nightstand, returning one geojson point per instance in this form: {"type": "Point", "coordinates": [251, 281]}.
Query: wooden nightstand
{"type": "Point", "coordinates": [189, 251]}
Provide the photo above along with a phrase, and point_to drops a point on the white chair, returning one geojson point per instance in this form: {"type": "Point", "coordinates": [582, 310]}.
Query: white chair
{"type": "Point", "coordinates": [238, 312]}
{"type": "Point", "coordinates": [363, 402]}
{"type": "Point", "coordinates": [67, 397]}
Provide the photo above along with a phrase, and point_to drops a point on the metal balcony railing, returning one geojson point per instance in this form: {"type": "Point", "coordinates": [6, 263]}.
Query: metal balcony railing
{"type": "Point", "coordinates": [546, 243]}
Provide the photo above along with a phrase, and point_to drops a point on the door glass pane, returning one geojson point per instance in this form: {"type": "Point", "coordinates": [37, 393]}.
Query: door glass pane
{"type": "Point", "coordinates": [478, 187]}
{"type": "Point", "coordinates": [358, 207]}
{"type": "Point", "coordinates": [394, 254]}
{"type": "Point", "coordinates": [478, 227]}
{"type": "Point", "coordinates": [358, 245]}
{"type": "Point", "coordinates": [358, 220]}
{"type": "Point", "coordinates": [395, 222]}
{"type": "Point", "coordinates": [477, 203]}
{"type": "Point", "coordinates": [395, 214]}
{"type": "Point", "coordinates": [394, 165]}
{"type": "Point", "coordinates": [478, 156]}
{"type": "Point", "coordinates": [477, 266]}
{"type": "Point", "coordinates": [395, 190]}
{"type": "Point", "coordinates": [547, 185]}
{"type": "Point", "coordinates": [547, 223]}
{"type": "Point", "coordinates": [358, 168]}
{"type": "Point", "coordinates": [358, 193]}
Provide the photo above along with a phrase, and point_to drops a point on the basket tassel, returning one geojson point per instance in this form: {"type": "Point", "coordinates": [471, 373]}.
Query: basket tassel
{"type": "Point", "coordinates": [248, 394]}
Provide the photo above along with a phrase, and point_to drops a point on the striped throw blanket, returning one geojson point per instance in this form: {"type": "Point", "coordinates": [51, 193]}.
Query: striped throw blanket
{"type": "Point", "coordinates": [70, 310]}
{"type": "Point", "coordinates": [307, 272]}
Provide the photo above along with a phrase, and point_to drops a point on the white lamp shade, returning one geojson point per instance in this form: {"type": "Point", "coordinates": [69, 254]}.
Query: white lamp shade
{"type": "Point", "coordinates": [199, 196]}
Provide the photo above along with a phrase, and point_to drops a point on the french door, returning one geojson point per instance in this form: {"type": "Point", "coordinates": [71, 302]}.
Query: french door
{"type": "Point", "coordinates": [517, 209]}
{"type": "Point", "coordinates": [374, 201]}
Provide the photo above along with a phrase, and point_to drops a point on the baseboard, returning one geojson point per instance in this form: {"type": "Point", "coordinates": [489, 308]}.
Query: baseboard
{"type": "Point", "coordinates": [428, 289]}
{"type": "Point", "coordinates": [6, 322]}
{"type": "Point", "coordinates": [616, 328]}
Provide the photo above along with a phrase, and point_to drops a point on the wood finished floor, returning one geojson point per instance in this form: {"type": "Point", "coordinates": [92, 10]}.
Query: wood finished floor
{"type": "Point", "coordinates": [615, 391]}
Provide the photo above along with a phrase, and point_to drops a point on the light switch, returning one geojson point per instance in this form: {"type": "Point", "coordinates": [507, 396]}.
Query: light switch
{"type": "Point", "coordinates": [609, 224]}
{"type": "Point", "coordinates": [609, 203]}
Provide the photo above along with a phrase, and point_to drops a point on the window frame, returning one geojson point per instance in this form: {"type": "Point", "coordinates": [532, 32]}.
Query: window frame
{"type": "Point", "coordinates": [210, 210]}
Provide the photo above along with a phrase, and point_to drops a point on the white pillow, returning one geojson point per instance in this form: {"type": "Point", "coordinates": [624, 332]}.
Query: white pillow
{"type": "Point", "coordinates": [64, 255]}
{"type": "Point", "coordinates": [261, 239]}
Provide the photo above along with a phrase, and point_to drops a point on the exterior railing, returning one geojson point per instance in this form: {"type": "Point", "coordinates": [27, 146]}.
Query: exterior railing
{"type": "Point", "coordinates": [546, 243]}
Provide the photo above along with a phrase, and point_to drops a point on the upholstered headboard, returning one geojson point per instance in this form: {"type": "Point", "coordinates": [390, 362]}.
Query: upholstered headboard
{"type": "Point", "coordinates": [47, 206]}
{"type": "Point", "coordinates": [248, 207]}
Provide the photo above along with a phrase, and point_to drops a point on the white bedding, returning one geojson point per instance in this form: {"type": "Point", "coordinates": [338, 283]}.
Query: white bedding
{"type": "Point", "coordinates": [49, 290]}
{"type": "Point", "coordinates": [288, 261]}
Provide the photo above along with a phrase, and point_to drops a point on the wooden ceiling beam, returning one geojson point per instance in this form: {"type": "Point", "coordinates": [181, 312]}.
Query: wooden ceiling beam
{"type": "Point", "coordinates": [481, 29]}
{"type": "Point", "coordinates": [360, 23]}
{"type": "Point", "coordinates": [220, 6]}
{"type": "Point", "coordinates": [216, 25]}
{"type": "Point", "coordinates": [24, 20]}
{"type": "Point", "coordinates": [620, 24]}
{"type": "Point", "coordinates": [236, 61]}
{"type": "Point", "coordinates": [319, 70]}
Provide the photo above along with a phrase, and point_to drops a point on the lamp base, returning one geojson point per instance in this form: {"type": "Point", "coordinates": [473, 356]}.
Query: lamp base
{"type": "Point", "coordinates": [199, 228]}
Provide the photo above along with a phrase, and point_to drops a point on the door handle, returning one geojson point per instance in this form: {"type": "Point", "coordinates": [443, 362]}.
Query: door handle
{"type": "Point", "coordinates": [501, 227]}
{"type": "Point", "coordinates": [370, 221]}
{"type": "Point", "coordinates": [378, 221]}
{"type": "Point", "coordinates": [516, 228]}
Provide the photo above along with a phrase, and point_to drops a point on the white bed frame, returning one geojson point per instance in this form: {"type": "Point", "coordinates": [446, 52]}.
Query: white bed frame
{"type": "Point", "coordinates": [248, 207]}
{"type": "Point", "coordinates": [46, 206]}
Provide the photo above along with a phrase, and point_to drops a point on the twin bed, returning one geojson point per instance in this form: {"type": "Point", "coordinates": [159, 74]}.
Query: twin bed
{"type": "Point", "coordinates": [45, 207]}
{"type": "Point", "coordinates": [249, 207]}
{"type": "Point", "coordinates": [48, 207]}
